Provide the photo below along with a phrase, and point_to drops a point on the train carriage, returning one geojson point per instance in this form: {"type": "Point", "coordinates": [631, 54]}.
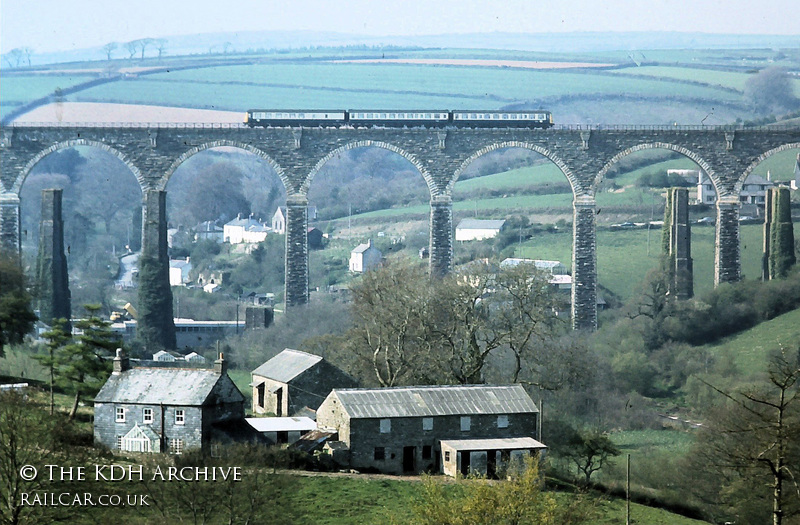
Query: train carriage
{"type": "Point", "coordinates": [295, 117]}
{"type": "Point", "coordinates": [396, 118]}
{"type": "Point", "coordinates": [399, 118]}
{"type": "Point", "coordinates": [499, 119]}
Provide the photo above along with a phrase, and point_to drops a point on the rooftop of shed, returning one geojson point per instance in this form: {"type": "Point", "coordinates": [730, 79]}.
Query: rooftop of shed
{"type": "Point", "coordinates": [435, 401]}
{"type": "Point", "coordinates": [287, 365]}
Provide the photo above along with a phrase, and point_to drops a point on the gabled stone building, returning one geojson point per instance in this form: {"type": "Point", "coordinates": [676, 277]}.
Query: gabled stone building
{"type": "Point", "coordinates": [293, 381]}
{"type": "Point", "coordinates": [402, 430]}
{"type": "Point", "coordinates": [168, 409]}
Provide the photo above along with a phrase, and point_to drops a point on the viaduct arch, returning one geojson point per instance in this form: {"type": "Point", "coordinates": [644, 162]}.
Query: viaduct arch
{"type": "Point", "coordinates": [584, 155]}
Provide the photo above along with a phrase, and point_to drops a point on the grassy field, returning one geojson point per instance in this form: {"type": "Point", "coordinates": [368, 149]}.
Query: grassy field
{"type": "Point", "coordinates": [751, 349]}
{"type": "Point", "coordinates": [21, 89]}
{"type": "Point", "coordinates": [323, 85]}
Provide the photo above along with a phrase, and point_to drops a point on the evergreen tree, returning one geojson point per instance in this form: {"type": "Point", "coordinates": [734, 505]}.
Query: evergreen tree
{"type": "Point", "coordinates": [83, 366]}
{"type": "Point", "coordinates": [781, 246]}
{"type": "Point", "coordinates": [57, 338]}
{"type": "Point", "coordinates": [16, 315]}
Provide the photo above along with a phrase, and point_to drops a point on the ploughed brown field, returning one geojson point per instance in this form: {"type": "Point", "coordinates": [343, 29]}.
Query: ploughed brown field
{"type": "Point", "coordinates": [89, 112]}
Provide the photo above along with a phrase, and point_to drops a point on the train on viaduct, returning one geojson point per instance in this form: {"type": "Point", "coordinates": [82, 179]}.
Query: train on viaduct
{"type": "Point", "coordinates": [297, 153]}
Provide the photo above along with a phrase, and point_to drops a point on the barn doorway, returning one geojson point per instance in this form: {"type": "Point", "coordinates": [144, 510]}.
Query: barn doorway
{"type": "Point", "coordinates": [409, 459]}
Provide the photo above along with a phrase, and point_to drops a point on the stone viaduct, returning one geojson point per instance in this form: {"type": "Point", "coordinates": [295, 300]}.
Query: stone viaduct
{"type": "Point", "coordinates": [584, 155]}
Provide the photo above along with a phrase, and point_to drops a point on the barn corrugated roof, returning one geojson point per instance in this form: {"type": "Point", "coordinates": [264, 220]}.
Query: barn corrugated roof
{"type": "Point", "coordinates": [435, 401]}
{"type": "Point", "coordinates": [170, 386]}
{"type": "Point", "coordinates": [480, 224]}
{"type": "Point", "coordinates": [287, 365]}
{"type": "Point", "coordinates": [494, 444]}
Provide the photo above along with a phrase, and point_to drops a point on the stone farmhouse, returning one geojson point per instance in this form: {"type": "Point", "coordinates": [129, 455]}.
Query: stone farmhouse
{"type": "Point", "coordinates": [169, 409]}
{"type": "Point", "coordinates": [474, 428]}
{"type": "Point", "coordinates": [295, 382]}
{"type": "Point", "coordinates": [364, 257]}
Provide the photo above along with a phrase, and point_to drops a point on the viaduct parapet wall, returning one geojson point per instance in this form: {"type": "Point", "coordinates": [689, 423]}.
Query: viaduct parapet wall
{"type": "Point", "coordinates": [297, 154]}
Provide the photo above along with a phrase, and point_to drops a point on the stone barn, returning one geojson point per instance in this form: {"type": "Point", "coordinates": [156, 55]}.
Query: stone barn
{"type": "Point", "coordinates": [403, 429]}
{"type": "Point", "coordinates": [293, 382]}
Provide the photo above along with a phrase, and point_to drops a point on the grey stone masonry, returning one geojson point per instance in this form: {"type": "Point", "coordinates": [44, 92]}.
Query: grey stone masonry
{"type": "Point", "coordinates": [51, 264]}
{"type": "Point", "coordinates": [727, 264]}
{"type": "Point", "coordinates": [296, 275]}
{"type": "Point", "coordinates": [441, 234]}
{"type": "Point", "coordinates": [584, 155]}
{"type": "Point", "coordinates": [10, 224]}
{"type": "Point", "coordinates": [680, 245]}
{"type": "Point", "coordinates": [766, 233]}
{"type": "Point", "coordinates": [584, 265]}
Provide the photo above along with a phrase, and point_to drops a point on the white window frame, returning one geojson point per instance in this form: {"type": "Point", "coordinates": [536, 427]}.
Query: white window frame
{"type": "Point", "coordinates": [147, 416]}
{"type": "Point", "coordinates": [466, 423]}
{"type": "Point", "coordinates": [386, 426]}
{"type": "Point", "coordinates": [119, 415]}
{"type": "Point", "coordinates": [427, 423]}
{"type": "Point", "coordinates": [176, 446]}
{"type": "Point", "coordinates": [119, 442]}
{"type": "Point", "coordinates": [180, 416]}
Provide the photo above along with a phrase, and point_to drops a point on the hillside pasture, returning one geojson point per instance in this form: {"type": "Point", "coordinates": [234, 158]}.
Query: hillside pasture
{"type": "Point", "coordinates": [22, 89]}
{"type": "Point", "coordinates": [321, 85]}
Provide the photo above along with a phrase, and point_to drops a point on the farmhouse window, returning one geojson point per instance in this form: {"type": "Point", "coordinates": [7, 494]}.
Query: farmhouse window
{"type": "Point", "coordinates": [119, 442]}
{"type": "Point", "coordinates": [175, 446]}
{"type": "Point", "coordinates": [180, 417]}
{"type": "Point", "coordinates": [447, 455]}
{"type": "Point", "coordinates": [120, 415]}
{"type": "Point", "coordinates": [502, 421]}
{"type": "Point", "coordinates": [147, 416]}
{"type": "Point", "coordinates": [466, 422]}
{"type": "Point", "coordinates": [427, 423]}
{"type": "Point", "coordinates": [386, 426]}
{"type": "Point", "coordinates": [380, 453]}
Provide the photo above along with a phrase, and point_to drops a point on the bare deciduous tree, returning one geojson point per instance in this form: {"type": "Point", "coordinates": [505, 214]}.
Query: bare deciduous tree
{"type": "Point", "coordinates": [109, 48]}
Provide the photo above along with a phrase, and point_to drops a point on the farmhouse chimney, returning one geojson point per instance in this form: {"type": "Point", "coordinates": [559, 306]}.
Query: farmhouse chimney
{"type": "Point", "coordinates": [220, 366]}
{"type": "Point", "coordinates": [121, 362]}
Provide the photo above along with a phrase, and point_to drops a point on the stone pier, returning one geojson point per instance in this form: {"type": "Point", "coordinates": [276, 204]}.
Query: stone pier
{"type": "Point", "coordinates": [727, 263]}
{"type": "Point", "coordinates": [441, 235]}
{"type": "Point", "coordinates": [681, 282]}
{"type": "Point", "coordinates": [584, 265]}
{"type": "Point", "coordinates": [296, 283]}
{"type": "Point", "coordinates": [51, 265]}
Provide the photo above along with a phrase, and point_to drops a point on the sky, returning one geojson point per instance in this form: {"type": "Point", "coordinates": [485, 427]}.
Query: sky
{"type": "Point", "coordinates": [61, 25]}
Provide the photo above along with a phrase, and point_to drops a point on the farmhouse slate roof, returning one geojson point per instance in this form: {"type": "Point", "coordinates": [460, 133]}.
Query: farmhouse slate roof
{"type": "Point", "coordinates": [480, 224]}
{"type": "Point", "coordinates": [287, 365]}
{"type": "Point", "coordinates": [435, 401]}
{"type": "Point", "coordinates": [152, 386]}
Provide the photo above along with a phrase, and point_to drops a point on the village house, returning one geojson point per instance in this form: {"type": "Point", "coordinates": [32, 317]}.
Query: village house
{"type": "Point", "coordinates": [315, 237]}
{"type": "Point", "coordinates": [179, 271]}
{"type": "Point", "coordinates": [754, 191]}
{"type": "Point", "coordinates": [364, 257]}
{"type": "Point", "coordinates": [478, 229]}
{"type": "Point", "coordinates": [295, 382]}
{"type": "Point", "coordinates": [472, 428]}
{"type": "Point", "coordinates": [248, 230]}
{"type": "Point", "coordinates": [210, 231]}
{"type": "Point", "coordinates": [169, 409]}
{"type": "Point", "coordinates": [279, 218]}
